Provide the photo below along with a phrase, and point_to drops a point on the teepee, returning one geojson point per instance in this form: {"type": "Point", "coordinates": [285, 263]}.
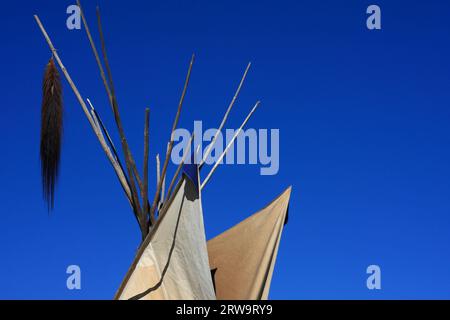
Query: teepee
{"type": "Point", "coordinates": [177, 263]}
{"type": "Point", "coordinates": [174, 259]}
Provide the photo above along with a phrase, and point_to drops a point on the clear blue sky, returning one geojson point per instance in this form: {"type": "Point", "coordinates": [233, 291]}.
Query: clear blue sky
{"type": "Point", "coordinates": [364, 129]}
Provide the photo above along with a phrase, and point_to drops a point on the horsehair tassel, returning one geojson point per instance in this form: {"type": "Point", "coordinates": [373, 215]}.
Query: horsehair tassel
{"type": "Point", "coordinates": [51, 131]}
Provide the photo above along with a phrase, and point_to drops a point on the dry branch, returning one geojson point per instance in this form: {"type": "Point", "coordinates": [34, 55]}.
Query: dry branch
{"type": "Point", "coordinates": [208, 149]}
{"type": "Point", "coordinates": [228, 146]}
{"type": "Point", "coordinates": [175, 123]}
{"type": "Point", "coordinates": [145, 169]}
{"type": "Point", "coordinates": [129, 161]}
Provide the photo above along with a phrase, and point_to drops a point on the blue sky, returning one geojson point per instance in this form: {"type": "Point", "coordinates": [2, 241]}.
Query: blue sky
{"type": "Point", "coordinates": [364, 139]}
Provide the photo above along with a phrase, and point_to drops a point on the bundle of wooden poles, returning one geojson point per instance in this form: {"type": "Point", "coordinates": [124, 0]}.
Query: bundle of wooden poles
{"type": "Point", "coordinates": [134, 185]}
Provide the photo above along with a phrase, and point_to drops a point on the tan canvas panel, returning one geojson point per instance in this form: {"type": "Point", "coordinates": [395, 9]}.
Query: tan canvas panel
{"type": "Point", "coordinates": [244, 256]}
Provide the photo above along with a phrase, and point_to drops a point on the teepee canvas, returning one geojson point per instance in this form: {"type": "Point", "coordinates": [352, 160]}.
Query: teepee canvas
{"type": "Point", "coordinates": [243, 257]}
